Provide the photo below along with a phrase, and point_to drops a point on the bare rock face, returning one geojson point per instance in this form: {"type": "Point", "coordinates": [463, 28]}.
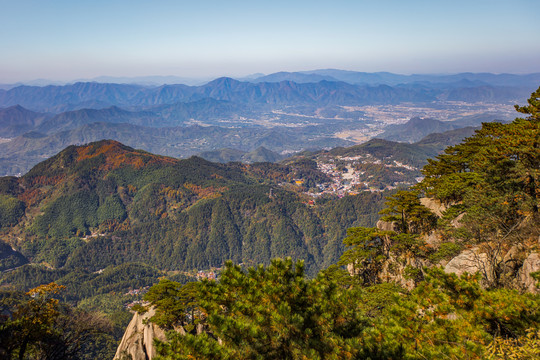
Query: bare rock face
{"type": "Point", "coordinates": [514, 258]}
{"type": "Point", "coordinates": [386, 225]}
{"type": "Point", "coordinates": [434, 205]}
{"type": "Point", "coordinates": [457, 221]}
{"type": "Point", "coordinates": [470, 261]}
{"type": "Point", "coordinates": [351, 270]}
{"type": "Point", "coordinates": [138, 340]}
{"type": "Point", "coordinates": [433, 238]}
{"type": "Point", "coordinates": [531, 264]}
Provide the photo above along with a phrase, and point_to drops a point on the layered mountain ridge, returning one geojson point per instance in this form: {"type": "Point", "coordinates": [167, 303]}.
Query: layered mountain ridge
{"type": "Point", "coordinates": [285, 113]}
{"type": "Point", "coordinates": [55, 98]}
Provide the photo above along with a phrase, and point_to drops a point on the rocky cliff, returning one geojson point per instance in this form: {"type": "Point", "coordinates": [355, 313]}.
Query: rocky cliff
{"type": "Point", "coordinates": [138, 340]}
{"type": "Point", "coordinates": [499, 263]}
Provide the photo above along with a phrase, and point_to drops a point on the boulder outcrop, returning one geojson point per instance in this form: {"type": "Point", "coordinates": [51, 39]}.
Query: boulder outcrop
{"type": "Point", "coordinates": [531, 264]}
{"type": "Point", "coordinates": [470, 261]}
{"type": "Point", "coordinates": [138, 340]}
{"type": "Point", "coordinates": [387, 225]}
{"type": "Point", "coordinates": [434, 205]}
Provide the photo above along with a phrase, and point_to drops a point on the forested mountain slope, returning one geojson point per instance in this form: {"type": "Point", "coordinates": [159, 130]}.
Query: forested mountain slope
{"type": "Point", "coordinates": [105, 203]}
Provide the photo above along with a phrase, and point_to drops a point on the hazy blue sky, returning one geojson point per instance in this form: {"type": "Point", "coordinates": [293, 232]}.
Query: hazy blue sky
{"type": "Point", "coordinates": [70, 39]}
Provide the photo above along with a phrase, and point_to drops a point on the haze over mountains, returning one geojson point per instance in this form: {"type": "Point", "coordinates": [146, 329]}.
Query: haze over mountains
{"type": "Point", "coordinates": [417, 128]}
{"type": "Point", "coordinates": [282, 112]}
{"type": "Point", "coordinates": [352, 77]}
{"type": "Point", "coordinates": [95, 95]}
{"type": "Point", "coordinates": [263, 89]}
{"type": "Point", "coordinates": [386, 78]}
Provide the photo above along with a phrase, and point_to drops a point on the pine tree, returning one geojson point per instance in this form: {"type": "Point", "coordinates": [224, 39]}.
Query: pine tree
{"type": "Point", "coordinates": [270, 313]}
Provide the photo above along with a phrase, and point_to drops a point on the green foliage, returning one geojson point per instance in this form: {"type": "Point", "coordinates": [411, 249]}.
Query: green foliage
{"type": "Point", "coordinates": [411, 216]}
{"type": "Point", "coordinates": [9, 258]}
{"type": "Point", "coordinates": [80, 283]}
{"type": "Point", "coordinates": [453, 317]}
{"type": "Point", "coordinates": [446, 251]}
{"type": "Point", "coordinates": [367, 252]}
{"type": "Point", "coordinates": [138, 308]}
{"type": "Point", "coordinates": [275, 313]}
{"type": "Point", "coordinates": [9, 185]}
{"type": "Point", "coordinates": [360, 210]}
{"type": "Point", "coordinates": [407, 244]}
{"type": "Point", "coordinates": [533, 109]}
{"type": "Point", "coordinates": [112, 305]}
{"type": "Point", "coordinates": [69, 215]}
{"type": "Point", "coordinates": [374, 300]}
{"type": "Point", "coordinates": [11, 210]}
{"type": "Point", "coordinates": [272, 313]}
{"type": "Point", "coordinates": [456, 186]}
{"type": "Point", "coordinates": [111, 209]}
{"type": "Point", "coordinates": [494, 174]}
{"type": "Point", "coordinates": [172, 302]}
{"type": "Point", "coordinates": [536, 276]}
{"type": "Point", "coordinates": [37, 326]}
{"type": "Point", "coordinates": [370, 248]}
{"type": "Point", "coordinates": [102, 292]}
{"type": "Point", "coordinates": [29, 276]}
{"type": "Point", "coordinates": [242, 224]}
{"type": "Point", "coordinates": [490, 184]}
{"type": "Point", "coordinates": [52, 251]}
{"type": "Point", "coordinates": [525, 347]}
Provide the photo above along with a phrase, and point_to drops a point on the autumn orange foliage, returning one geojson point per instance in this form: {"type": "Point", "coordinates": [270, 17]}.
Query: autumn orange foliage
{"type": "Point", "coordinates": [116, 156]}
{"type": "Point", "coordinates": [31, 197]}
{"type": "Point", "coordinates": [205, 192]}
{"type": "Point", "coordinates": [45, 180]}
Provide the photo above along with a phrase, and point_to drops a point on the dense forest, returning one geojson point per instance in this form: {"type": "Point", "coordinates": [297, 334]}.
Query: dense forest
{"type": "Point", "coordinates": [95, 221]}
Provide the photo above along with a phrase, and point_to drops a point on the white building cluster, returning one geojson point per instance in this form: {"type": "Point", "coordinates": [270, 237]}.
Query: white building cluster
{"type": "Point", "coordinates": [347, 179]}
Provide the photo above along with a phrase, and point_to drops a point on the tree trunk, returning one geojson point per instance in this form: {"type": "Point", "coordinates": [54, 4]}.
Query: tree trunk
{"type": "Point", "coordinates": [22, 349]}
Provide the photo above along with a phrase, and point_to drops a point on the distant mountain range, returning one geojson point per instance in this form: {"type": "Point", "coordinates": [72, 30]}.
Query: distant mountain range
{"type": "Point", "coordinates": [23, 152]}
{"type": "Point", "coordinates": [159, 116]}
{"type": "Point", "coordinates": [257, 119]}
{"type": "Point", "coordinates": [386, 78]}
{"type": "Point", "coordinates": [352, 77]}
{"type": "Point", "coordinates": [16, 120]}
{"type": "Point", "coordinates": [417, 128]}
{"type": "Point", "coordinates": [20, 154]}
{"type": "Point", "coordinates": [321, 88]}
{"type": "Point", "coordinates": [94, 95]}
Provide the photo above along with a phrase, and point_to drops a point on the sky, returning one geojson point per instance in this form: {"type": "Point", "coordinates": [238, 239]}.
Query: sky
{"type": "Point", "coordinates": [67, 40]}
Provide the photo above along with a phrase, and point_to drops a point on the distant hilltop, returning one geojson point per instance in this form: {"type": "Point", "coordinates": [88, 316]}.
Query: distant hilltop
{"type": "Point", "coordinates": [311, 76]}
